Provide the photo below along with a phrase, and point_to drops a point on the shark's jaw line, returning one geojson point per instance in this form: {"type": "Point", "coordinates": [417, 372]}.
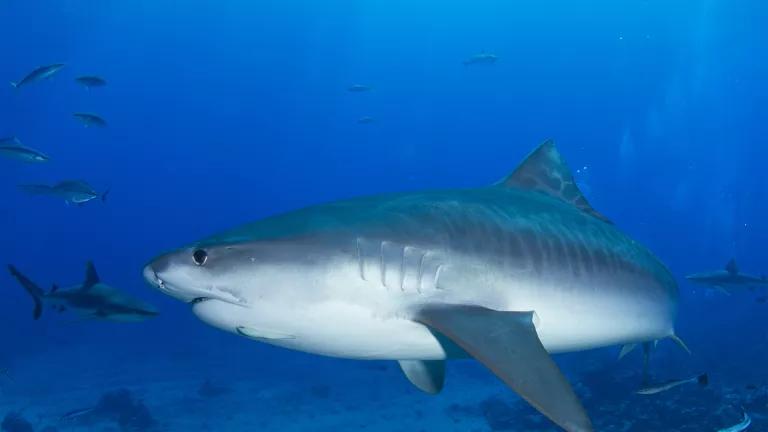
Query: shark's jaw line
{"type": "Point", "coordinates": [212, 293]}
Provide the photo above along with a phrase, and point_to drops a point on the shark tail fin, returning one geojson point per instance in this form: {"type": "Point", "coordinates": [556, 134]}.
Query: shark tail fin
{"type": "Point", "coordinates": [703, 380]}
{"type": "Point", "coordinates": [105, 194]}
{"type": "Point", "coordinates": [35, 291]}
{"type": "Point", "coordinates": [680, 343]}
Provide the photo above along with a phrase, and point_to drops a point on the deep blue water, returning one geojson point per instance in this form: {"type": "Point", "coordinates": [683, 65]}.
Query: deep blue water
{"type": "Point", "coordinates": [224, 112]}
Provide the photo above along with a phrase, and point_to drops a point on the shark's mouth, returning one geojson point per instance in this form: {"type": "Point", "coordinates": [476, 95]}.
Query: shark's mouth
{"type": "Point", "coordinates": [197, 300]}
{"type": "Point", "coordinates": [193, 296]}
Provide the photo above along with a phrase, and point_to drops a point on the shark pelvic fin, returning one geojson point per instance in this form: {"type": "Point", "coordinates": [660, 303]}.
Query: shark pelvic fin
{"type": "Point", "coordinates": [680, 343]}
{"type": "Point", "coordinates": [508, 345]}
{"type": "Point", "coordinates": [626, 349]}
{"type": "Point", "coordinates": [91, 277]}
{"type": "Point", "coordinates": [545, 171]}
{"type": "Point", "coordinates": [732, 267]}
{"type": "Point", "coordinates": [427, 375]}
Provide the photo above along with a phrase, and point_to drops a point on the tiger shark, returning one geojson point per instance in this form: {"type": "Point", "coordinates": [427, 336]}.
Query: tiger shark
{"type": "Point", "coordinates": [506, 274]}
{"type": "Point", "coordinates": [728, 279]}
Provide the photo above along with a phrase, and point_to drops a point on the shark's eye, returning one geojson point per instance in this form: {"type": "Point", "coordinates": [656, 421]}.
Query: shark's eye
{"type": "Point", "coordinates": [200, 256]}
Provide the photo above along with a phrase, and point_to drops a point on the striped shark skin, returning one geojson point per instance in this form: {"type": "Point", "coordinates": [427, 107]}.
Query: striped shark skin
{"type": "Point", "coordinates": [506, 274]}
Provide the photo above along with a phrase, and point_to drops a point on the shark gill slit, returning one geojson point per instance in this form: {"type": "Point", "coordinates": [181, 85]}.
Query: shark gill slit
{"type": "Point", "coordinates": [436, 282]}
{"type": "Point", "coordinates": [420, 276]}
{"type": "Point", "coordinates": [360, 263]}
{"type": "Point", "coordinates": [382, 268]}
{"type": "Point", "coordinates": [402, 269]}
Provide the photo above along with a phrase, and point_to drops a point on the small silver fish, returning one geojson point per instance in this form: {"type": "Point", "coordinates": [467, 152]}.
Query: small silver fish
{"type": "Point", "coordinates": [89, 81]}
{"type": "Point", "coordinates": [72, 191]}
{"type": "Point", "coordinates": [359, 88]}
{"type": "Point", "coordinates": [76, 414]}
{"type": "Point", "coordinates": [482, 58]}
{"type": "Point", "coordinates": [702, 380]}
{"type": "Point", "coordinates": [41, 73]}
{"type": "Point", "coordinates": [740, 426]}
{"type": "Point", "coordinates": [90, 119]}
{"type": "Point", "coordinates": [365, 120]}
{"type": "Point", "coordinates": [12, 148]}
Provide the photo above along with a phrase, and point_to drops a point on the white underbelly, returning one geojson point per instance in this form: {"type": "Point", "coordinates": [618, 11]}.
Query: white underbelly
{"type": "Point", "coordinates": [565, 322]}
{"type": "Point", "coordinates": [331, 329]}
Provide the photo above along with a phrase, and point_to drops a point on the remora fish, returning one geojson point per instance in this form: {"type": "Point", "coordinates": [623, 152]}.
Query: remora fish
{"type": "Point", "coordinates": [89, 81]}
{"type": "Point", "coordinates": [41, 73]}
{"type": "Point", "coordinates": [72, 191]}
{"type": "Point", "coordinates": [728, 279]}
{"type": "Point", "coordinates": [702, 380]}
{"type": "Point", "coordinates": [89, 119]}
{"type": "Point", "coordinates": [745, 422]}
{"type": "Point", "coordinates": [14, 149]}
{"type": "Point", "coordinates": [91, 299]}
{"type": "Point", "coordinates": [482, 58]}
{"type": "Point", "coordinates": [505, 274]}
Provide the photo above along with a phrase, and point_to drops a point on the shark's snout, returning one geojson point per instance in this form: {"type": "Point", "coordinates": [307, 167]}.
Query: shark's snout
{"type": "Point", "coordinates": [151, 276]}
{"type": "Point", "coordinates": [187, 281]}
{"type": "Point", "coordinates": [156, 274]}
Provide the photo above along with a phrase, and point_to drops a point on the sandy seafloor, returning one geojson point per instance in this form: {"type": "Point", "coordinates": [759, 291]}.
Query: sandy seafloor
{"type": "Point", "coordinates": [268, 389]}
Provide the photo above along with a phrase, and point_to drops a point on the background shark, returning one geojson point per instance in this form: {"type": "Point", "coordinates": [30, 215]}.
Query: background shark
{"type": "Point", "coordinates": [505, 274]}
{"type": "Point", "coordinates": [728, 279]}
{"type": "Point", "coordinates": [91, 299]}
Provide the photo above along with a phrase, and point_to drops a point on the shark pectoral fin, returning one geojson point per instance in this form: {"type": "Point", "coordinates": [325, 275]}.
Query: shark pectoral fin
{"type": "Point", "coordinates": [91, 277]}
{"type": "Point", "coordinates": [427, 375]}
{"type": "Point", "coordinates": [626, 349]}
{"type": "Point", "coordinates": [508, 345]}
{"type": "Point", "coordinates": [680, 343]}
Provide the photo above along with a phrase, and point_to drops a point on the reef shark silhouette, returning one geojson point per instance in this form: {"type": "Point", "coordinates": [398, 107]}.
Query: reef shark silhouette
{"type": "Point", "coordinates": [91, 299]}
{"type": "Point", "coordinates": [728, 279]}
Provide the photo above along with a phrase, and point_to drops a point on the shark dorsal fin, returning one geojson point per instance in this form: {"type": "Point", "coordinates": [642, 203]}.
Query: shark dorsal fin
{"type": "Point", "coordinates": [54, 288]}
{"type": "Point", "coordinates": [732, 267]}
{"type": "Point", "coordinates": [545, 171]}
{"type": "Point", "coordinates": [91, 277]}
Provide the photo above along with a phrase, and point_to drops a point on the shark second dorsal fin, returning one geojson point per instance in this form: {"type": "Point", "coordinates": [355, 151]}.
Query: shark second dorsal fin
{"type": "Point", "coordinates": [545, 171]}
{"type": "Point", "coordinates": [91, 277]}
{"type": "Point", "coordinates": [732, 267]}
